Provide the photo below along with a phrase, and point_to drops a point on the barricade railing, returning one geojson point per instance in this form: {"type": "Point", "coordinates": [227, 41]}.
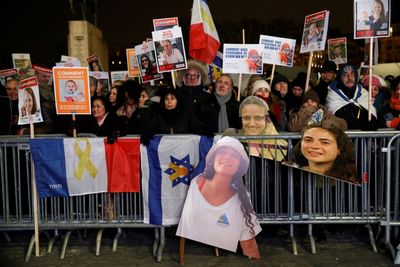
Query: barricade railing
{"type": "Point", "coordinates": [280, 194]}
{"type": "Point", "coordinates": [393, 197]}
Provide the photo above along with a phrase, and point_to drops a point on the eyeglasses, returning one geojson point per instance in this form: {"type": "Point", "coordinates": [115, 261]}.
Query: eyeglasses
{"type": "Point", "coordinates": [255, 118]}
{"type": "Point", "coordinates": [144, 60]}
{"type": "Point", "coordinates": [189, 75]}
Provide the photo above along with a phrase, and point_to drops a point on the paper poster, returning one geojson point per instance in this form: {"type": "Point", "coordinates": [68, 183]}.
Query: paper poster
{"type": "Point", "coordinates": [74, 63]}
{"type": "Point", "coordinates": [337, 50]}
{"type": "Point", "coordinates": [8, 74]}
{"type": "Point", "coordinates": [119, 76]}
{"type": "Point", "coordinates": [278, 51]}
{"type": "Point", "coordinates": [315, 32]}
{"type": "Point", "coordinates": [133, 68]}
{"type": "Point", "coordinates": [22, 62]}
{"type": "Point", "coordinates": [71, 90]}
{"type": "Point", "coordinates": [170, 49]}
{"type": "Point", "coordinates": [68, 58]}
{"type": "Point", "coordinates": [103, 81]}
{"type": "Point", "coordinates": [243, 58]}
{"type": "Point", "coordinates": [44, 75]}
{"type": "Point", "coordinates": [94, 63]}
{"type": "Point", "coordinates": [29, 101]}
{"type": "Point", "coordinates": [147, 62]}
{"type": "Point", "coordinates": [165, 23]}
{"type": "Point", "coordinates": [371, 18]}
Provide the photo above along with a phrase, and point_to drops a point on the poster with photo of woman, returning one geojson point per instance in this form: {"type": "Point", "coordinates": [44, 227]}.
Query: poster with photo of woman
{"type": "Point", "coordinates": [146, 59]}
{"type": "Point", "coordinates": [371, 18]}
{"type": "Point", "coordinates": [29, 102]}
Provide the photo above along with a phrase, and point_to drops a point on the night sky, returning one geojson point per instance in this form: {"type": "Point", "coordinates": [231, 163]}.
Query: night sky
{"type": "Point", "coordinates": [41, 27]}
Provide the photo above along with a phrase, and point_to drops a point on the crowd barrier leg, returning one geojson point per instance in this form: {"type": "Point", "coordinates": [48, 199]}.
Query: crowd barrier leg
{"type": "Point", "coordinates": [162, 244]}
{"type": "Point", "coordinates": [294, 243]}
{"type": "Point", "coordinates": [7, 237]}
{"type": "Point", "coordinates": [371, 238]}
{"type": "Point", "coordinates": [98, 241]}
{"type": "Point", "coordinates": [156, 241]}
{"type": "Point", "coordinates": [30, 248]}
{"type": "Point", "coordinates": [397, 259]}
{"type": "Point", "coordinates": [52, 240]}
{"type": "Point", "coordinates": [65, 244]}
{"type": "Point", "coordinates": [116, 239]}
{"type": "Point", "coordinates": [312, 240]}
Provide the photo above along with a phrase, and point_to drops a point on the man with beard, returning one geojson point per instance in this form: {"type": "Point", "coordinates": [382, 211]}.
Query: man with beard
{"type": "Point", "coordinates": [348, 100]}
{"type": "Point", "coordinates": [328, 74]}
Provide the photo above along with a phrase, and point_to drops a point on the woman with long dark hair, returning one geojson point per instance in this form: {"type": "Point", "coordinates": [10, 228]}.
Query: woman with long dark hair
{"type": "Point", "coordinates": [219, 204]}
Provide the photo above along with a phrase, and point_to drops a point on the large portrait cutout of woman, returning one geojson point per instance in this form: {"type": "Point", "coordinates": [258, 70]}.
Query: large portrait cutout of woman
{"type": "Point", "coordinates": [326, 150]}
{"type": "Point", "coordinates": [217, 210]}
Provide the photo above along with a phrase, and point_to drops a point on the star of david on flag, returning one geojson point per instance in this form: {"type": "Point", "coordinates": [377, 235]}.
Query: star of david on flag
{"type": "Point", "coordinates": [179, 171]}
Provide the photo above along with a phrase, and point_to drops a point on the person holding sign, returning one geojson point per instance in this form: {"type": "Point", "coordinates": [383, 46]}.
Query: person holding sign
{"type": "Point", "coordinates": [348, 100]}
{"type": "Point", "coordinates": [218, 203]}
{"type": "Point", "coordinates": [170, 55]}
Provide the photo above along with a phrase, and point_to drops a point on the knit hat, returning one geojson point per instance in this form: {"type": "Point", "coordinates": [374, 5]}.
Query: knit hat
{"type": "Point", "coordinates": [376, 81]}
{"type": "Point", "coordinates": [310, 94]}
{"type": "Point", "coordinates": [233, 143]}
{"type": "Point", "coordinates": [260, 84]}
{"type": "Point", "coordinates": [328, 66]}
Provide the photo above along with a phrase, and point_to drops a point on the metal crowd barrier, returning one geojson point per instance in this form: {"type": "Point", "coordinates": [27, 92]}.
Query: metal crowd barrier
{"type": "Point", "coordinates": [393, 197]}
{"type": "Point", "coordinates": [280, 195]}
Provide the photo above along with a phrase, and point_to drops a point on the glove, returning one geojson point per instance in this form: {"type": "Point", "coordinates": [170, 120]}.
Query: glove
{"type": "Point", "coordinates": [112, 137]}
{"type": "Point", "coordinates": [145, 138]}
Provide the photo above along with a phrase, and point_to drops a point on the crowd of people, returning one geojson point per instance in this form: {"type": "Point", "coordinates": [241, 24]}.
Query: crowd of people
{"type": "Point", "coordinates": [197, 106]}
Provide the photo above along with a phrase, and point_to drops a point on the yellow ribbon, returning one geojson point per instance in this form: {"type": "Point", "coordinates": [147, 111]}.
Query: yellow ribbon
{"type": "Point", "coordinates": [207, 19]}
{"type": "Point", "coordinates": [179, 171]}
{"type": "Point", "coordinates": [84, 161]}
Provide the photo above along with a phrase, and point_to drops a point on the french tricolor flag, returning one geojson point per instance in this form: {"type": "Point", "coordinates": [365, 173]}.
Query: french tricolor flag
{"type": "Point", "coordinates": [203, 39]}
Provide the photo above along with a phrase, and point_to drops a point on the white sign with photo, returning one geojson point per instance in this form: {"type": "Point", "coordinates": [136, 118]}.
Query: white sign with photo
{"type": "Point", "coordinates": [243, 58]}
{"type": "Point", "coordinates": [278, 51]}
{"type": "Point", "coordinates": [29, 101]}
{"type": "Point", "coordinates": [315, 32]}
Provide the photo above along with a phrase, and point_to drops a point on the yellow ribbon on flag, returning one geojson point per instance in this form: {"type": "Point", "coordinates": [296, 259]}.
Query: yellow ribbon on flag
{"type": "Point", "coordinates": [179, 171]}
{"type": "Point", "coordinates": [84, 160]}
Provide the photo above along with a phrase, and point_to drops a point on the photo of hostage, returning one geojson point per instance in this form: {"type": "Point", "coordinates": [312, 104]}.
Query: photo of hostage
{"type": "Point", "coordinates": [218, 202]}
{"type": "Point", "coordinates": [72, 92]}
{"type": "Point", "coordinates": [169, 54]}
{"type": "Point", "coordinates": [254, 61]}
{"type": "Point", "coordinates": [327, 150]}
{"type": "Point", "coordinates": [29, 103]}
{"type": "Point", "coordinates": [313, 34]}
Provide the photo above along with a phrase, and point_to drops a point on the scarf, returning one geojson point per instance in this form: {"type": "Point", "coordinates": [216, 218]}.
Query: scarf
{"type": "Point", "coordinates": [395, 103]}
{"type": "Point", "coordinates": [336, 99]}
{"type": "Point", "coordinates": [223, 122]}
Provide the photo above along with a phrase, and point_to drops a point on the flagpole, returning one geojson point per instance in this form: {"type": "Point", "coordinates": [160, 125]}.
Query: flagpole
{"type": "Point", "coordinates": [34, 195]}
{"type": "Point", "coordinates": [371, 48]}
{"type": "Point", "coordinates": [308, 71]}
{"type": "Point", "coordinates": [240, 74]}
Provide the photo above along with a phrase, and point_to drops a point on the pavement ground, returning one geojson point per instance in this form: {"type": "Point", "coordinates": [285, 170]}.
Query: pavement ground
{"type": "Point", "coordinates": [344, 246]}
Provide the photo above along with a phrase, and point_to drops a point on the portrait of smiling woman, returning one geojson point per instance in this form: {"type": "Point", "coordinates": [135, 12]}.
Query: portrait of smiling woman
{"type": "Point", "coordinates": [326, 150]}
{"type": "Point", "coordinates": [218, 203]}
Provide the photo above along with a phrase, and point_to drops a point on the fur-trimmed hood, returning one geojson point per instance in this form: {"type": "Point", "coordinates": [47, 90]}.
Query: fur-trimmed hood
{"type": "Point", "coordinates": [200, 67]}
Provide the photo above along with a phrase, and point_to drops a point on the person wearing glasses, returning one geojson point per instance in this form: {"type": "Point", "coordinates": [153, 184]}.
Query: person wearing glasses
{"type": "Point", "coordinates": [192, 82]}
{"type": "Point", "coordinates": [148, 67]}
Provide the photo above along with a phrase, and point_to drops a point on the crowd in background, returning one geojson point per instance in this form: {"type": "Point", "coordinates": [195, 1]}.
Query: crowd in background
{"type": "Point", "coordinates": [198, 106]}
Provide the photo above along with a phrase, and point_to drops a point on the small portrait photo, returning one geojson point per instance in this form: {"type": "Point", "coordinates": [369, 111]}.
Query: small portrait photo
{"type": "Point", "coordinates": [29, 104]}
{"type": "Point", "coordinates": [312, 33]}
{"type": "Point", "coordinates": [95, 66]}
{"type": "Point", "coordinates": [169, 51]}
{"type": "Point", "coordinates": [72, 90]}
{"type": "Point", "coordinates": [285, 54]}
{"type": "Point", "coordinates": [254, 61]}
